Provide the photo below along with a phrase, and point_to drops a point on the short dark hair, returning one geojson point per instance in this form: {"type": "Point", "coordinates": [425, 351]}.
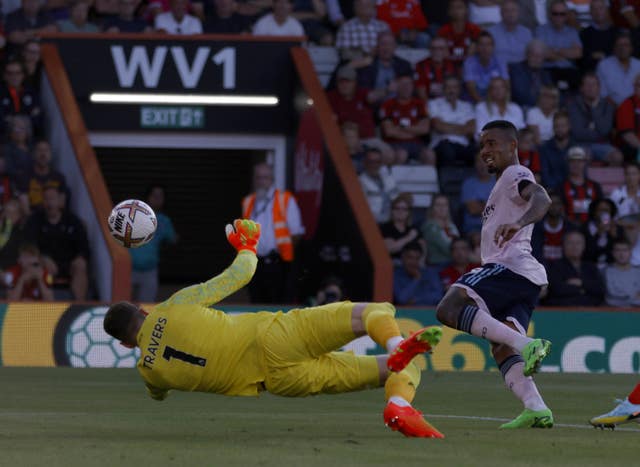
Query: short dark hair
{"type": "Point", "coordinates": [118, 319]}
{"type": "Point", "coordinates": [413, 246]}
{"type": "Point", "coordinates": [621, 241]}
{"type": "Point", "coordinates": [485, 34]}
{"type": "Point", "coordinates": [503, 125]}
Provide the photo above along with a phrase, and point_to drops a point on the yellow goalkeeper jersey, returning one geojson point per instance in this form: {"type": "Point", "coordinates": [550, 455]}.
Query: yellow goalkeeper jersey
{"type": "Point", "coordinates": [187, 346]}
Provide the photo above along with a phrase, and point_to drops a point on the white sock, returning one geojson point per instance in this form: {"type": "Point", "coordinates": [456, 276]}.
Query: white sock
{"type": "Point", "coordinates": [393, 342]}
{"type": "Point", "coordinates": [485, 326]}
{"type": "Point", "coordinates": [399, 401]}
{"type": "Point", "coordinates": [524, 387]}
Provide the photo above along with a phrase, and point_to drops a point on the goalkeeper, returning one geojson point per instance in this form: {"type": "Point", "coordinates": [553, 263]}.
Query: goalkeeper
{"type": "Point", "coordinates": [186, 345]}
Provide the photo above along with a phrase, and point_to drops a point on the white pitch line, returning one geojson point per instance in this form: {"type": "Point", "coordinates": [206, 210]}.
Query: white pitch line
{"type": "Point", "coordinates": [495, 419]}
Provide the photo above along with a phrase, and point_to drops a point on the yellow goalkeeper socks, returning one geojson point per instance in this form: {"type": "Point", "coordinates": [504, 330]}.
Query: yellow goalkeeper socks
{"type": "Point", "coordinates": [380, 322]}
{"type": "Point", "coordinates": [403, 384]}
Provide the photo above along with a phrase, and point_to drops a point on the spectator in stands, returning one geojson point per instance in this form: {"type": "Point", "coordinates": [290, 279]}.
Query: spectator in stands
{"type": "Point", "coordinates": [628, 123]}
{"type": "Point", "coordinates": [28, 279]}
{"type": "Point", "coordinates": [357, 38]}
{"type": "Point", "coordinates": [405, 123]}
{"type": "Point", "coordinates": [432, 71]}
{"type": "Point", "coordinates": [78, 20]}
{"type": "Point", "coordinates": [349, 104]}
{"type": "Point", "coordinates": [481, 67]}
{"type": "Point", "coordinates": [511, 38]}
{"type": "Point", "coordinates": [351, 135]}
{"type": "Point", "coordinates": [280, 22]}
{"type": "Point", "coordinates": [177, 20]}
{"type": "Point", "coordinates": [399, 231]}
{"type": "Point", "coordinates": [145, 260]}
{"type": "Point", "coordinates": [627, 196]}
{"type": "Point", "coordinates": [460, 262]}
{"type": "Point", "coordinates": [105, 9]}
{"type": "Point", "coordinates": [39, 176]}
{"type": "Point", "coordinates": [26, 23]}
{"type": "Point", "coordinates": [378, 185]}
{"type": "Point", "coordinates": [11, 233]}
{"type": "Point", "coordinates": [282, 229]}
{"type": "Point", "coordinates": [312, 14]}
{"type": "Point", "coordinates": [406, 20]}
{"type": "Point", "coordinates": [533, 13]}
{"type": "Point", "coordinates": [439, 231]}
{"type": "Point", "coordinates": [413, 283]}
{"type": "Point", "coordinates": [577, 190]}
{"type": "Point", "coordinates": [459, 32]}
{"type": "Point", "coordinates": [528, 154]}
{"type": "Point", "coordinates": [17, 151]}
{"type": "Point", "coordinates": [454, 124]}
{"type": "Point", "coordinates": [579, 13]}
{"type": "Point", "coordinates": [597, 38]}
{"type": "Point", "coordinates": [484, 13]}
{"type": "Point", "coordinates": [546, 240]}
{"type": "Point", "coordinates": [62, 240]}
{"type": "Point", "coordinates": [618, 72]}
{"type": "Point", "coordinates": [553, 153]}
{"type": "Point", "coordinates": [498, 106]}
{"type": "Point", "coordinates": [32, 62]}
{"type": "Point", "coordinates": [474, 195]}
{"type": "Point", "coordinates": [16, 98]}
{"type": "Point", "coordinates": [380, 77]}
{"type": "Point", "coordinates": [331, 290]}
{"type": "Point", "coordinates": [563, 45]}
{"type": "Point", "coordinates": [622, 280]}
{"type": "Point", "coordinates": [225, 19]}
{"type": "Point", "coordinates": [8, 189]}
{"type": "Point", "coordinates": [626, 13]}
{"type": "Point", "coordinates": [540, 118]}
{"type": "Point", "coordinates": [572, 281]}
{"type": "Point", "coordinates": [592, 121]}
{"type": "Point", "coordinates": [126, 20]}
{"type": "Point", "coordinates": [528, 77]}
{"type": "Point", "coordinates": [601, 231]}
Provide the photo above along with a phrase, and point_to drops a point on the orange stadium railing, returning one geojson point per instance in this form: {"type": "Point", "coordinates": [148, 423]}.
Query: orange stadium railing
{"type": "Point", "coordinates": [337, 150]}
{"type": "Point", "coordinates": [86, 157]}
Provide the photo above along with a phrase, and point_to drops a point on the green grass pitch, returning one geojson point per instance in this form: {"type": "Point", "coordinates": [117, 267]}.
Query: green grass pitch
{"type": "Point", "coordinates": [73, 417]}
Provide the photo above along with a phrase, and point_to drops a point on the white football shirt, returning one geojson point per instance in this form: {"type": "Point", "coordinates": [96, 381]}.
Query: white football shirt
{"type": "Point", "coordinates": [506, 206]}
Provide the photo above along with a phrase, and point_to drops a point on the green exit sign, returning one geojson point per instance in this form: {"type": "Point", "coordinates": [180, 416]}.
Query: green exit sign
{"type": "Point", "coordinates": [172, 117]}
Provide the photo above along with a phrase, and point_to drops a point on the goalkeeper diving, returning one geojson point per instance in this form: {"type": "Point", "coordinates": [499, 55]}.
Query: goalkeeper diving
{"type": "Point", "coordinates": [188, 346]}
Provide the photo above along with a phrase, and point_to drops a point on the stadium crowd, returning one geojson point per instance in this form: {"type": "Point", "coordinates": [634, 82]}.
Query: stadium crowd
{"type": "Point", "coordinates": [564, 72]}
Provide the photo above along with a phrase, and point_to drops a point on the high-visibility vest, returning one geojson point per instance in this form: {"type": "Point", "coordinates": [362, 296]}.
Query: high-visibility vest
{"type": "Point", "coordinates": [283, 236]}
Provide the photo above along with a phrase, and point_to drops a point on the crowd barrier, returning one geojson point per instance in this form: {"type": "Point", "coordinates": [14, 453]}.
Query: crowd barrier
{"type": "Point", "coordinates": [584, 340]}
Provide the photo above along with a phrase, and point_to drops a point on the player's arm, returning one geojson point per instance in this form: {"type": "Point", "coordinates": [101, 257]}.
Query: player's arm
{"type": "Point", "coordinates": [538, 206]}
{"type": "Point", "coordinates": [156, 393]}
{"type": "Point", "coordinates": [244, 236]}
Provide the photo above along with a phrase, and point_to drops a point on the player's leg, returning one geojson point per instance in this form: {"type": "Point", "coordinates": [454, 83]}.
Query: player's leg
{"type": "Point", "coordinates": [627, 410]}
{"type": "Point", "coordinates": [469, 304]}
{"type": "Point", "coordinates": [536, 414]}
{"type": "Point", "coordinates": [378, 321]}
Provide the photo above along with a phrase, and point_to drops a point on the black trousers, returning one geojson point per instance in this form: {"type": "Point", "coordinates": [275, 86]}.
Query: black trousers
{"type": "Point", "coordinates": [271, 282]}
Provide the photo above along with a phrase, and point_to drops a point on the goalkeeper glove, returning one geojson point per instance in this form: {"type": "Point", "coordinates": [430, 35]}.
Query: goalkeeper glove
{"type": "Point", "coordinates": [243, 235]}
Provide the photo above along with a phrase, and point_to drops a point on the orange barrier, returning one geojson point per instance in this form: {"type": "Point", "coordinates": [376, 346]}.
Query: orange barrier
{"type": "Point", "coordinates": [382, 265]}
{"type": "Point", "coordinates": [86, 157]}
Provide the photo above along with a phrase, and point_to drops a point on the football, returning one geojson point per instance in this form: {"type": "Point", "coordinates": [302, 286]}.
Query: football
{"type": "Point", "coordinates": [132, 223]}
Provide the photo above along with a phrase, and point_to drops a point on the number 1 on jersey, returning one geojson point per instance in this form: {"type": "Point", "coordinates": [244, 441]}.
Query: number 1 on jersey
{"type": "Point", "coordinates": [170, 352]}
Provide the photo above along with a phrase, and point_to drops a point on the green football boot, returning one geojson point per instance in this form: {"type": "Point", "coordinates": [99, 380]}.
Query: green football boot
{"type": "Point", "coordinates": [533, 353]}
{"type": "Point", "coordinates": [530, 419]}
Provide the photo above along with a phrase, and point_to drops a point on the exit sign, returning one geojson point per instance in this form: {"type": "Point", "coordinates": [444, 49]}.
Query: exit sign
{"type": "Point", "coordinates": [172, 117]}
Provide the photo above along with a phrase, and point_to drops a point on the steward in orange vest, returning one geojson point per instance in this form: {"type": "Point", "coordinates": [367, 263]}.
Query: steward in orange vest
{"type": "Point", "coordinates": [283, 236]}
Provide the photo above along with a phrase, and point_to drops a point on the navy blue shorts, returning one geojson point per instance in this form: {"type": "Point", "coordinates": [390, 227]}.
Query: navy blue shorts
{"type": "Point", "coordinates": [505, 294]}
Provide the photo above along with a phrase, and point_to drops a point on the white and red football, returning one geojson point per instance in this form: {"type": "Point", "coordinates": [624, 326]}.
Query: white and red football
{"type": "Point", "coordinates": [132, 223]}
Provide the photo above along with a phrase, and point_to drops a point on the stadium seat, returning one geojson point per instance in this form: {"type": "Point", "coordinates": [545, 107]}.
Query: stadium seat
{"type": "Point", "coordinates": [609, 177]}
{"type": "Point", "coordinates": [325, 60]}
{"type": "Point", "coordinates": [419, 180]}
